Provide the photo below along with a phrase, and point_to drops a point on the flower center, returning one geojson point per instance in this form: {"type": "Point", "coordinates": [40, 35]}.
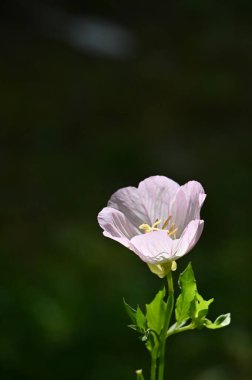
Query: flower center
{"type": "Point", "coordinates": [168, 226]}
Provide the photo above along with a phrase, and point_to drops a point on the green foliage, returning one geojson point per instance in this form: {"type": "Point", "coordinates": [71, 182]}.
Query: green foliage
{"type": "Point", "coordinates": [191, 305]}
{"type": "Point", "coordinates": [222, 321]}
{"type": "Point", "coordinates": [130, 311]}
{"type": "Point", "coordinates": [149, 325]}
{"type": "Point", "coordinates": [187, 284]}
{"type": "Point", "coordinates": [155, 312]}
{"type": "Point", "coordinates": [137, 317]}
{"type": "Point", "coordinates": [199, 309]}
{"type": "Point", "coordinates": [190, 312]}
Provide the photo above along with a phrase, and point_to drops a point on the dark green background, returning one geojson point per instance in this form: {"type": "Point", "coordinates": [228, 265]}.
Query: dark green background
{"type": "Point", "coordinates": [75, 126]}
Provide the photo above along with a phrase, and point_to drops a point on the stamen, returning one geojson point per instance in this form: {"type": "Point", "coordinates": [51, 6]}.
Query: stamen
{"type": "Point", "coordinates": [157, 222]}
{"type": "Point", "coordinates": [172, 232]}
{"type": "Point", "coordinates": [171, 226]}
{"type": "Point", "coordinates": [166, 222]}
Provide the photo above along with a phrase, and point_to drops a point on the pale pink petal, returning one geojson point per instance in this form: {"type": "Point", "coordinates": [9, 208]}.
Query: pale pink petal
{"type": "Point", "coordinates": [202, 197]}
{"type": "Point", "coordinates": [196, 196]}
{"type": "Point", "coordinates": [154, 247]}
{"type": "Point", "coordinates": [129, 202]}
{"type": "Point", "coordinates": [157, 247]}
{"type": "Point", "coordinates": [189, 238]}
{"type": "Point", "coordinates": [116, 226]}
{"type": "Point", "coordinates": [178, 211]}
{"type": "Point", "coordinates": [122, 240]}
{"type": "Point", "coordinates": [186, 204]}
{"type": "Point", "coordinates": [156, 194]}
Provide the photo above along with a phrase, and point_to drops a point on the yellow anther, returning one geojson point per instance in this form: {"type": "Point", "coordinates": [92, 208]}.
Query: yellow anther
{"type": "Point", "coordinates": [170, 233]}
{"type": "Point", "coordinates": [166, 222]}
{"type": "Point", "coordinates": [171, 226]}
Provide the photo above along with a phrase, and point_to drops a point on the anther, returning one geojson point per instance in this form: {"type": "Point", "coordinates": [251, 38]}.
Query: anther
{"type": "Point", "coordinates": [166, 222]}
{"type": "Point", "coordinates": [172, 232]}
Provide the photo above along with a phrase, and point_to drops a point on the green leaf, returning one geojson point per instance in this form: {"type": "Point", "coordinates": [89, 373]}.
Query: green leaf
{"type": "Point", "coordinates": [200, 308]}
{"type": "Point", "coordinates": [137, 317]}
{"type": "Point", "coordinates": [130, 311]}
{"type": "Point", "coordinates": [191, 305]}
{"type": "Point", "coordinates": [155, 312]}
{"type": "Point", "coordinates": [222, 321]}
{"type": "Point", "coordinates": [188, 287]}
{"type": "Point", "coordinates": [140, 319]}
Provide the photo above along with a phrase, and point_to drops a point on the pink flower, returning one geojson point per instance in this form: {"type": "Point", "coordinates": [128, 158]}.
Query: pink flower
{"type": "Point", "coordinates": [159, 221]}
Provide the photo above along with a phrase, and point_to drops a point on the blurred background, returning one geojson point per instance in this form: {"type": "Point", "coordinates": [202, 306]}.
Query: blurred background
{"type": "Point", "coordinates": [98, 95]}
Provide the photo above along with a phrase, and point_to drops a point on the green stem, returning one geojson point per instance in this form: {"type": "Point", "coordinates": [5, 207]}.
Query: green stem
{"type": "Point", "coordinates": [173, 330]}
{"type": "Point", "coordinates": [169, 309]}
{"type": "Point", "coordinates": [153, 367]}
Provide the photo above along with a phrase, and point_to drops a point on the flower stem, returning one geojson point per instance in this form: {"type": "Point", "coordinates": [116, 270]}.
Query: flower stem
{"type": "Point", "coordinates": [169, 309]}
{"type": "Point", "coordinates": [153, 367]}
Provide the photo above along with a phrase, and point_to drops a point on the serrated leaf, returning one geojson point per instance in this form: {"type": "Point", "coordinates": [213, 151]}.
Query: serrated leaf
{"type": "Point", "coordinates": [200, 307]}
{"type": "Point", "coordinates": [188, 287]}
{"type": "Point", "coordinates": [222, 321]}
{"type": "Point", "coordinates": [155, 312]}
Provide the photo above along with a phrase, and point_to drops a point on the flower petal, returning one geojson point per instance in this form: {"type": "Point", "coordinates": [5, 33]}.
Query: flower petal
{"type": "Point", "coordinates": [196, 196]}
{"type": "Point", "coordinates": [153, 247]}
{"type": "Point", "coordinates": [129, 202]}
{"type": "Point", "coordinates": [116, 225]}
{"type": "Point", "coordinates": [186, 204]}
{"type": "Point", "coordinates": [157, 247]}
{"type": "Point", "coordinates": [189, 238]}
{"type": "Point", "coordinates": [179, 211]}
{"type": "Point", "coordinates": [156, 194]}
